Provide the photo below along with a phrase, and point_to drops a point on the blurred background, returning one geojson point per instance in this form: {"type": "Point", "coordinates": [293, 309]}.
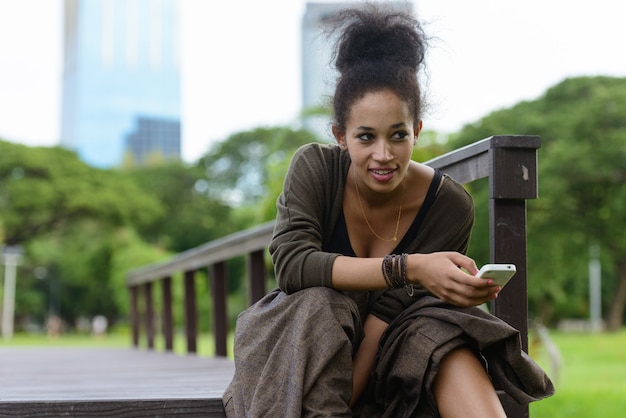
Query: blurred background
{"type": "Point", "coordinates": [131, 130]}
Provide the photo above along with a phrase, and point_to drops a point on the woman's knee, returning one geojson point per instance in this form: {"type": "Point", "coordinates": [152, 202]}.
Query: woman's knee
{"type": "Point", "coordinates": [327, 307]}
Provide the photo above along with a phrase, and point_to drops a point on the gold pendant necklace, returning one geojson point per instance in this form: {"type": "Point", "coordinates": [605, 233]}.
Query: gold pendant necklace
{"type": "Point", "coordinates": [358, 196]}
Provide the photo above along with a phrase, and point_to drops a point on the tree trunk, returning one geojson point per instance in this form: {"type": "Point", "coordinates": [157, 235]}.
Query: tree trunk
{"type": "Point", "coordinates": [616, 310]}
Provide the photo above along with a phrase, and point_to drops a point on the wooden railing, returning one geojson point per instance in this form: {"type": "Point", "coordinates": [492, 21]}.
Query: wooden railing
{"type": "Point", "coordinates": [510, 163]}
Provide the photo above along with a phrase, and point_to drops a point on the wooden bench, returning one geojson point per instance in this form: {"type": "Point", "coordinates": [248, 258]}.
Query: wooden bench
{"type": "Point", "coordinates": [510, 164]}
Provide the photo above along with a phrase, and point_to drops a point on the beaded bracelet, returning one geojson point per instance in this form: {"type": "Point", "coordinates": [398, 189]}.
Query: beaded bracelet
{"type": "Point", "coordinates": [394, 272]}
{"type": "Point", "coordinates": [387, 270]}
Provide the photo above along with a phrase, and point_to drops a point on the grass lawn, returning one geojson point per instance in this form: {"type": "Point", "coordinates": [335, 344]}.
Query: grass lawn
{"type": "Point", "coordinates": [591, 381]}
{"type": "Point", "coordinates": [120, 339]}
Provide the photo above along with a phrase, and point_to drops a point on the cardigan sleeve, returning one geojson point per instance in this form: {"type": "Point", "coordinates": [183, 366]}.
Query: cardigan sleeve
{"type": "Point", "coordinates": [447, 227]}
{"type": "Point", "coordinates": [302, 211]}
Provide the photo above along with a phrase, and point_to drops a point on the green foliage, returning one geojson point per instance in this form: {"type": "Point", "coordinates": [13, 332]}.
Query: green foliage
{"type": "Point", "coordinates": [190, 216]}
{"type": "Point", "coordinates": [237, 169]}
{"type": "Point", "coordinates": [44, 189]}
{"type": "Point", "coordinates": [582, 170]}
{"type": "Point", "coordinates": [63, 213]}
{"type": "Point", "coordinates": [430, 145]}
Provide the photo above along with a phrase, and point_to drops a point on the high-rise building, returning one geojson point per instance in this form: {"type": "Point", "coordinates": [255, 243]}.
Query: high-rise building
{"type": "Point", "coordinates": [121, 72]}
{"type": "Point", "coordinates": [153, 139]}
{"type": "Point", "coordinates": [317, 74]}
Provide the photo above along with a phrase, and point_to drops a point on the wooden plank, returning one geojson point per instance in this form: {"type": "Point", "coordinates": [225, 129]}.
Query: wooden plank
{"type": "Point", "coordinates": [119, 408]}
{"type": "Point", "coordinates": [223, 249]}
{"type": "Point", "coordinates": [105, 382]}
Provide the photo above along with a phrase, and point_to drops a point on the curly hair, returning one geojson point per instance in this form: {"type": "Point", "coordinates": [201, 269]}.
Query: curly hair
{"type": "Point", "coordinates": [377, 47]}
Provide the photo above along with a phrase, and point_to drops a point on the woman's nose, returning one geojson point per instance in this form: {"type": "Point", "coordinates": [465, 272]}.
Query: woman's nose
{"type": "Point", "coordinates": [382, 151]}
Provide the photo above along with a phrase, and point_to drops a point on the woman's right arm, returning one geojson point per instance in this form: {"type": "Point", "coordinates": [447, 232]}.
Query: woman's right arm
{"type": "Point", "coordinates": [296, 246]}
{"type": "Point", "coordinates": [439, 273]}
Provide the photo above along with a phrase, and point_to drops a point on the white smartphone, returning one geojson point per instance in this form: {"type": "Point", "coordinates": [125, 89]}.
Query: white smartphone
{"type": "Point", "coordinates": [499, 273]}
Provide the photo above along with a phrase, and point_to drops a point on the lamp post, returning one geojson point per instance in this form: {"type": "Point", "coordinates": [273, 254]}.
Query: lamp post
{"type": "Point", "coordinates": [595, 288]}
{"type": "Point", "coordinates": [11, 256]}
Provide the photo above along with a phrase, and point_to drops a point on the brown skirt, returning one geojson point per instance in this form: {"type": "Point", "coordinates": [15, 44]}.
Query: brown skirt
{"type": "Point", "coordinates": [293, 357]}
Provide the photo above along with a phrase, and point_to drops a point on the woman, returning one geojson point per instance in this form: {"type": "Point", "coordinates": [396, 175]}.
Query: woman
{"type": "Point", "coordinates": [374, 317]}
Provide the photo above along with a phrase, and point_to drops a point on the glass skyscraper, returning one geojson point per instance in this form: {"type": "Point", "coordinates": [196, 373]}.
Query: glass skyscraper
{"type": "Point", "coordinates": [121, 80]}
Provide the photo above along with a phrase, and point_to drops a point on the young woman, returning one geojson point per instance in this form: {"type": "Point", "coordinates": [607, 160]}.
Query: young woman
{"type": "Point", "coordinates": [376, 312]}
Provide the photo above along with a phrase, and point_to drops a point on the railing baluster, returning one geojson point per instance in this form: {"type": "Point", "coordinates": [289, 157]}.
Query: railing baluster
{"type": "Point", "coordinates": [257, 275]}
{"type": "Point", "coordinates": [167, 317]}
{"type": "Point", "coordinates": [149, 315]}
{"type": "Point", "coordinates": [218, 281]}
{"type": "Point", "coordinates": [191, 326]}
{"type": "Point", "coordinates": [134, 314]}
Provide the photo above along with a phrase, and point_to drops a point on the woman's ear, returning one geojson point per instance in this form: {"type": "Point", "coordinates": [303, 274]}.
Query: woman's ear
{"type": "Point", "coordinates": [340, 137]}
{"type": "Point", "coordinates": [416, 131]}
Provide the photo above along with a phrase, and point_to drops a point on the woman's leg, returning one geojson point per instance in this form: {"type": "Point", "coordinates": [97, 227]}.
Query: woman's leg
{"type": "Point", "coordinates": [462, 387]}
{"type": "Point", "coordinates": [293, 356]}
{"type": "Point", "coordinates": [365, 357]}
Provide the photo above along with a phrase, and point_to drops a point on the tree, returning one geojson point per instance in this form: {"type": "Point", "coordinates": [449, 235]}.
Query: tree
{"type": "Point", "coordinates": [65, 213]}
{"type": "Point", "coordinates": [236, 169]}
{"type": "Point", "coordinates": [191, 216]}
{"type": "Point", "coordinates": [43, 189]}
{"type": "Point", "coordinates": [582, 170]}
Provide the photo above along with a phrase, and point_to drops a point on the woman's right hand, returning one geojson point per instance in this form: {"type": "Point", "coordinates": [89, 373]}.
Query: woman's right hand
{"type": "Point", "coordinates": [441, 274]}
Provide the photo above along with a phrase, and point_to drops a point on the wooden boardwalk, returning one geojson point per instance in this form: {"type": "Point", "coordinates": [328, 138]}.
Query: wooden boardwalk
{"type": "Point", "coordinates": [81, 382]}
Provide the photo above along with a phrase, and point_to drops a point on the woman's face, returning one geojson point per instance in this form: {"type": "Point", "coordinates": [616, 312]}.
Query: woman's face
{"type": "Point", "coordinates": [380, 136]}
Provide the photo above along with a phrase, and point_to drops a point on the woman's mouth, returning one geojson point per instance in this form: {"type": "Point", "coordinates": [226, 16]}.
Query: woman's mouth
{"type": "Point", "coordinates": [382, 174]}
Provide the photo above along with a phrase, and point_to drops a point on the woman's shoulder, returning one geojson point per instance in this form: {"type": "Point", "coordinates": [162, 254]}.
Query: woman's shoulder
{"type": "Point", "coordinates": [447, 188]}
{"type": "Point", "coordinates": [453, 198]}
{"type": "Point", "coordinates": [317, 155]}
{"type": "Point", "coordinates": [317, 150]}
{"type": "Point", "coordinates": [454, 188]}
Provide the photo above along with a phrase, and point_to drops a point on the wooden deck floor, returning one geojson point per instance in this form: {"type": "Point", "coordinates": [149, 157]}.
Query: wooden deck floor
{"type": "Point", "coordinates": [37, 382]}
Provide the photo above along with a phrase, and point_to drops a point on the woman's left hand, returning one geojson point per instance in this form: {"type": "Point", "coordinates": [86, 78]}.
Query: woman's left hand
{"type": "Point", "coordinates": [443, 274]}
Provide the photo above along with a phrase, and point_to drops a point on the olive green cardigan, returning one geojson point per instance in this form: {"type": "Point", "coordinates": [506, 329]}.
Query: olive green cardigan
{"type": "Point", "coordinates": [308, 210]}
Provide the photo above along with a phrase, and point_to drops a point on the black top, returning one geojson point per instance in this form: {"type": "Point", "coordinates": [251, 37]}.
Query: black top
{"type": "Point", "coordinates": [340, 242]}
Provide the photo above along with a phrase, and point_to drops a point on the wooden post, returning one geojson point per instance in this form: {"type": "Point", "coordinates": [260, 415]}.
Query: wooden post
{"type": "Point", "coordinates": [508, 245]}
{"type": "Point", "coordinates": [218, 281]}
{"type": "Point", "coordinates": [167, 317]}
{"type": "Point", "coordinates": [191, 323]}
{"type": "Point", "coordinates": [134, 314]}
{"type": "Point", "coordinates": [149, 315]}
{"type": "Point", "coordinates": [257, 275]}
{"type": "Point", "coordinates": [512, 180]}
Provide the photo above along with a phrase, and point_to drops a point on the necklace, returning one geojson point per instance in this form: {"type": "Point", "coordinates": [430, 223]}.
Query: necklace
{"type": "Point", "coordinates": [395, 234]}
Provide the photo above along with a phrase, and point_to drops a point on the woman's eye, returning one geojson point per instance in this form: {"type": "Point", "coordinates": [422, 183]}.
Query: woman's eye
{"type": "Point", "coordinates": [365, 137]}
{"type": "Point", "coordinates": [400, 135]}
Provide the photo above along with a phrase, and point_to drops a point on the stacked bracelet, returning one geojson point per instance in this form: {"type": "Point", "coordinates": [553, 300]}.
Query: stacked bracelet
{"type": "Point", "coordinates": [394, 272]}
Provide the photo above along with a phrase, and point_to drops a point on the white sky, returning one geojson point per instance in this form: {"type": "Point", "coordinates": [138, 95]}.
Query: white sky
{"type": "Point", "coordinates": [241, 61]}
